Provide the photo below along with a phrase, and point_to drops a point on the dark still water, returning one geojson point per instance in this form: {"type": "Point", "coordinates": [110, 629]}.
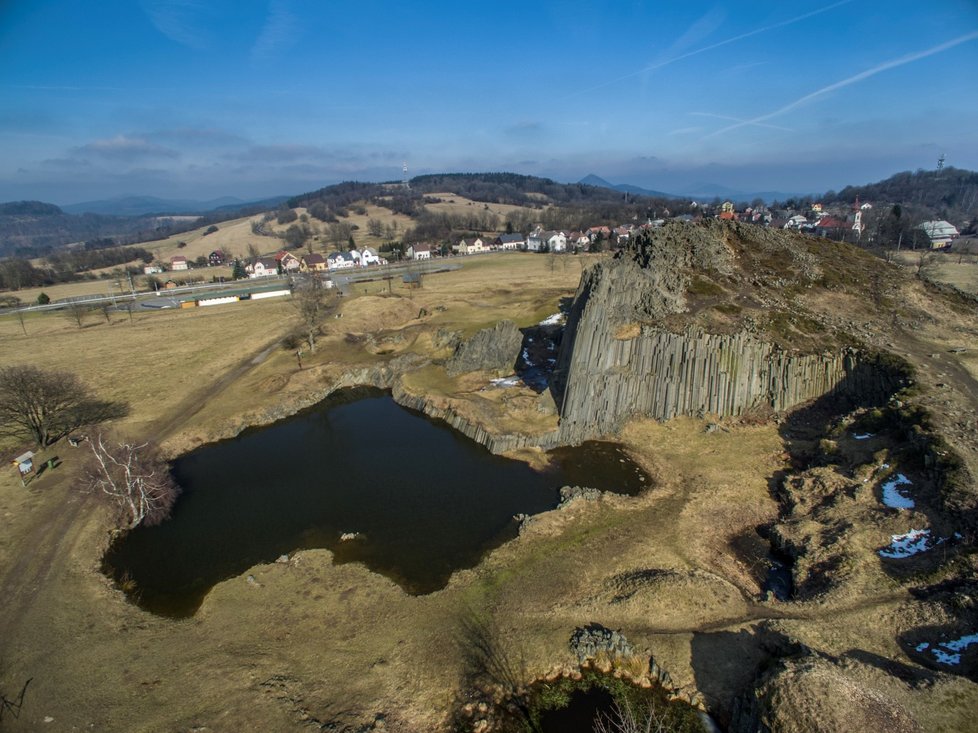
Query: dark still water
{"type": "Point", "coordinates": [424, 499]}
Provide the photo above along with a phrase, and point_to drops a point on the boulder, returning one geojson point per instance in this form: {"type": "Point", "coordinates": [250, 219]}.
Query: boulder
{"type": "Point", "coordinates": [491, 349]}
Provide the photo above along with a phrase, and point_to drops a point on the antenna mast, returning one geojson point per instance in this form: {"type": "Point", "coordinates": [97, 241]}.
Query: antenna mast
{"type": "Point", "coordinates": [940, 163]}
{"type": "Point", "coordinates": [404, 180]}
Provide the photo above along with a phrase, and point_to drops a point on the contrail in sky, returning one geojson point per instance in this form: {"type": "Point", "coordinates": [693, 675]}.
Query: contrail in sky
{"type": "Point", "coordinates": [738, 119]}
{"type": "Point", "coordinates": [718, 44]}
{"type": "Point", "coordinates": [848, 82]}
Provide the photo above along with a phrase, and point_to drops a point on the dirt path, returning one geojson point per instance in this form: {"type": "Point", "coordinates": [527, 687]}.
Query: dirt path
{"type": "Point", "coordinates": [44, 551]}
{"type": "Point", "coordinates": [196, 400]}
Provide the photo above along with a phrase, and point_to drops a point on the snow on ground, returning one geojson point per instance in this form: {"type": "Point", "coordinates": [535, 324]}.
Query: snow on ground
{"type": "Point", "coordinates": [948, 652]}
{"type": "Point", "coordinates": [554, 320]}
{"type": "Point", "coordinates": [912, 543]}
{"type": "Point", "coordinates": [512, 381]}
{"type": "Point", "coordinates": [893, 497]}
{"type": "Point", "coordinates": [862, 436]}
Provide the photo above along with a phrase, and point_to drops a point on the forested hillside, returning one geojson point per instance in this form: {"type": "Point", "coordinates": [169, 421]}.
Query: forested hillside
{"type": "Point", "coordinates": [950, 194]}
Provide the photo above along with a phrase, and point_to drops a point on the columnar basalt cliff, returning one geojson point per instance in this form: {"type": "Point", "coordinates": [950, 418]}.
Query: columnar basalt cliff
{"type": "Point", "coordinates": [638, 339]}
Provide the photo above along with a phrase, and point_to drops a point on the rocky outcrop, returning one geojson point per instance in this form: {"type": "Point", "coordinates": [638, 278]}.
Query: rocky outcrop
{"type": "Point", "coordinates": [587, 642]}
{"type": "Point", "coordinates": [495, 442]}
{"type": "Point", "coordinates": [622, 356]}
{"type": "Point", "coordinates": [490, 349]}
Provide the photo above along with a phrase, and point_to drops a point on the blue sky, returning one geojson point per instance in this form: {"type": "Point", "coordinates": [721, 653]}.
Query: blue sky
{"type": "Point", "coordinates": [249, 98]}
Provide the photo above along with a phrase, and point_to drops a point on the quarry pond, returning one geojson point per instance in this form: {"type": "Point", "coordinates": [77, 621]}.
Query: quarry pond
{"type": "Point", "coordinates": [373, 482]}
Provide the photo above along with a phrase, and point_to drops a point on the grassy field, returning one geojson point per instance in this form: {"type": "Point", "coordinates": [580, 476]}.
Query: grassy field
{"type": "Point", "coordinates": [959, 270]}
{"type": "Point", "coordinates": [454, 204]}
{"type": "Point", "coordinates": [153, 362]}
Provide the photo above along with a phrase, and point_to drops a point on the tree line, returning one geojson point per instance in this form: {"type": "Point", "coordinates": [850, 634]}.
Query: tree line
{"type": "Point", "coordinates": [65, 265]}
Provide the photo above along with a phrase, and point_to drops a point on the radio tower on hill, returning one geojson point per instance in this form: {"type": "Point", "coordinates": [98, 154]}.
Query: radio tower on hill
{"type": "Point", "coordinates": [404, 180]}
{"type": "Point", "coordinates": [940, 163]}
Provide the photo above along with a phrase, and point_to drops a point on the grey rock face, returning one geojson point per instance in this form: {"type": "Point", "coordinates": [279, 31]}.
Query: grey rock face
{"type": "Point", "coordinates": [490, 349]}
{"type": "Point", "coordinates": [618, 359]}
{"type": "Point", "coordinates": [588, 641]}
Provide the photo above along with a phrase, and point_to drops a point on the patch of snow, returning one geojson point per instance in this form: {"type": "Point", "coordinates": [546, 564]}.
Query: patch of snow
{"type": "Point", "coordinates": [512, 381]}
{"type": "Point", "coordinates": [862, 436]}
{"type": "Point", "coordinates": [526, 357]}
{"type": "Point", "coordinates": [554, 320]}
{"type": "Point", "coordinates": [963, 643]}
{"type": "Point", "coordinates": [892, 497]}
{"type": "Point", "coordinates": [912, 543]}
{"type": "Point", "coordinates": [949, 652]}
{"type": "Point", "coordinates": [945, 658]}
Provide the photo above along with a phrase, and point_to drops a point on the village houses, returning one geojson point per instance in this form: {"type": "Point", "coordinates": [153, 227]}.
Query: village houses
{"type": "Point", "coordinates": [419, 252]}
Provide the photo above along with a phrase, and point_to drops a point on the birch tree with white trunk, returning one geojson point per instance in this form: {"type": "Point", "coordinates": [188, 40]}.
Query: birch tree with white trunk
{"type": "Point", "coordinates": [135, 478]}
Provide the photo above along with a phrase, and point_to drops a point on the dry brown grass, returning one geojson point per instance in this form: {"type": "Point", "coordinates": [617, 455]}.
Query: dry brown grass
{"type": "Point", "coordinates": [153, 362]}
{"type": "Point", "coordinates": [454, 204]}
{"type": "Point", "coordinates": [959, 270]}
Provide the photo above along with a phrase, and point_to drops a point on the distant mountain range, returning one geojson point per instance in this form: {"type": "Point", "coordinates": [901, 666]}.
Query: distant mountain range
{"type": "Point", "coordinates": [593, 180]}
{"type": "Point", "coordinates": [144, 205]}
{"type": "Point", "coordinates": [700, 191]}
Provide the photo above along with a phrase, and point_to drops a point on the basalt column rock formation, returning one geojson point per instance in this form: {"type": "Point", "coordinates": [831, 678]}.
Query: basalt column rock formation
{"type": "Point", "coordinates": [647, 335]}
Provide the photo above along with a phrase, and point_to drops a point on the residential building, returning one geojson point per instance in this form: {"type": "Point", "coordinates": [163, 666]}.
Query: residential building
{"type": "Point", "coordinates": [941, 233]}
{"type": "Point", "coordinates": [314, 262]}
{"type": "Point", "coordinates": [419, 252]}
{"type": "Point", "coordinates": [342, 260]}
{"type": "Point", "coordinates": [369, 257]}
{"type": "Point", "coordinates": [263, 267]}
{"type": "Point", "coordinates": [288, 262]}
{"type": "Point", "coordinates": [510, 242]}
{"type": "Point", "coordinates": [471, 246]}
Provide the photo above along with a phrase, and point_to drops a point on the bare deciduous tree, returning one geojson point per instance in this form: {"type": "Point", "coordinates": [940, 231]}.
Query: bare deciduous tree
{"type": "Point", "coordinates": [624, 718]}
{"type": "Point", "coordinates": [375, 227]}
{"type": "Point", "coordinates": [47, 405]}
{"type": "Point", "coordinates": [926, 263]}
{"type": "Point", "coordinates": [339, 232]}
{"type": "Point", "coordinates": [134, 477]}
{"type": "Point", "coordinates": [21, 316]}
{"type": "Point", "coordinates": [77, 312]}
{"type": "Point", "coordinates": [313, 301]}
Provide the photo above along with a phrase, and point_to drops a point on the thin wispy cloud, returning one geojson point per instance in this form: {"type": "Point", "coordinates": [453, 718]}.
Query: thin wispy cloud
{"type": "Point", "coordinates": [702, 29]}
{"type": "Point", "coordinates": [179, 20]}
{"type": "Point", "coordinates": [281, 26]}
{"type": "Point", "coordinates": [741, 121]}
{"type": "Point", "coordinates": [124, 147]}
{"type": "Point", "coordinates": [712, 46]}
{"type": "Point", "coordinates": [854, 79]}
